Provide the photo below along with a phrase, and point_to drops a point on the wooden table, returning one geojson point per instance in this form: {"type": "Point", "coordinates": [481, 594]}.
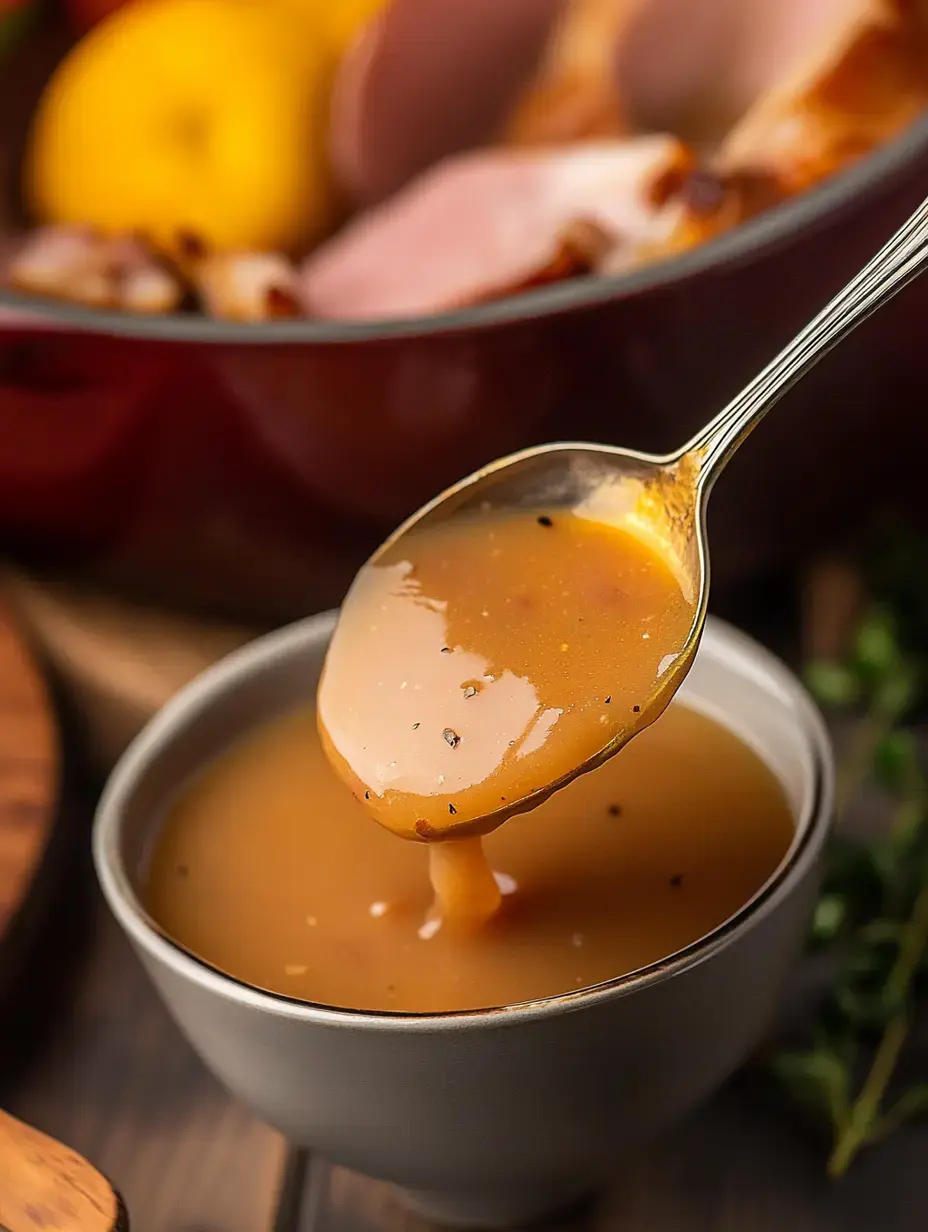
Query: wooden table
{"type": "Point", "coordinates": [29, 791]}
{"type": "Point", "coordinates": [115, 1079]}
{"type": "Point", "coordinates": [94, 1059]}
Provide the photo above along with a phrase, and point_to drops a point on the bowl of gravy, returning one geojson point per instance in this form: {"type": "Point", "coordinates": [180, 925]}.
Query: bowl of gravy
{"type": "Point", "coordinates": [651, 911]}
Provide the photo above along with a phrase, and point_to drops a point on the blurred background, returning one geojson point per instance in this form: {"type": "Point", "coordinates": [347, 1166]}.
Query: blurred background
{"type": "Point", "coordinates": [275, 272]}
{"type": "Point", "coordinates": [261, 306]}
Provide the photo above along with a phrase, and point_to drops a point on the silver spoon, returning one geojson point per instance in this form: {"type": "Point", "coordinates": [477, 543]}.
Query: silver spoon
{"type": "Point", "coordinates": [671, 493]}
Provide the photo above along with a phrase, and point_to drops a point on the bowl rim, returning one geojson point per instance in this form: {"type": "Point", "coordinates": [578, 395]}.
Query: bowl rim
{"type": "Point", "coordinates": [827, 199]}
{"type": "Point", "coordinates": [222, 680]}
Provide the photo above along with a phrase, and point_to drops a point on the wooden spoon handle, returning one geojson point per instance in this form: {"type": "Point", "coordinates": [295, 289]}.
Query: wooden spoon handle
{"type": "Point", "coordinates": [44, 1184]}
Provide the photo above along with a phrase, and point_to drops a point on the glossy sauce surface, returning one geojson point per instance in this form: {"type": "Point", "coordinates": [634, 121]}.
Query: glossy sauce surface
{"type": "Point", "coordinates": [478, 663]}
{"type": "Point", "coordinates": [269, 869]}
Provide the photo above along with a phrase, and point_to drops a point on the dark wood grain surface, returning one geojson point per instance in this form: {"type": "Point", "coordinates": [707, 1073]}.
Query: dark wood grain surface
{"type": "Point", "coordinates": [116, 1080]}
{"type": "Point", "coordinates": [29, 786]}
{"type": "Point", "coordinates": [742, 1163]}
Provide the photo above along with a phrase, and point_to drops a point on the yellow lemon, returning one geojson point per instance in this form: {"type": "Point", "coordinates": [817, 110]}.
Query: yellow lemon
{"type": "Point", "coordinates": [200, 117]}
{"type": "Point", "coordinates": [347, 18]}
{"type": "Point", "coordinates": [338, 21]}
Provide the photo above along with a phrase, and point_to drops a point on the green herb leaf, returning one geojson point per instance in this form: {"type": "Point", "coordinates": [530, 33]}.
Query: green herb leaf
{"type": "Point", "coordinates": [914, 1103]}
{"type": "Point", "coordinates": [895, 692]}
{"type": "Point", "coordinates": [895, 760]}
{"type": "Point", "coordinates": [829, 918]}
{"type": "Point", "coordinates": [832, 684]}
{"type": "Point", "coordinates": [890, 866]}
{"type": "Point", "coordinates": [882, 932]}
{"type": "Point", "coordinates": [862, 1008]}
{"type": "Point", "coordinates": [819, 1080]}
{"type": "Point", "coordinates": [876, 650]}
{"type": "Point", "coordinates": [852, 873]}
{"type": "Point", "coordinates": [873, 909]}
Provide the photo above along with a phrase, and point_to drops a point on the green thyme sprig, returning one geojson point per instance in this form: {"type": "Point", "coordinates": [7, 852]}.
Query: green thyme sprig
{"type": "Point", "coordinates": [873, 909]}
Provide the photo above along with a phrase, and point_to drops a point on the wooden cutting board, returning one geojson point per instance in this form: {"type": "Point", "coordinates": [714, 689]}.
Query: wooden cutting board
{"type": "Point", "coordinates": [29, 786]}
{"type": "Point", "coordinates": [44, 1184]}
{"type": "Point", "coordinates": [116, 662]}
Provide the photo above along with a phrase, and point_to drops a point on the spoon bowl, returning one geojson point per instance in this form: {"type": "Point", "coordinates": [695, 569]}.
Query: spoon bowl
{"type": "Point", "coordinates": [656, 499]}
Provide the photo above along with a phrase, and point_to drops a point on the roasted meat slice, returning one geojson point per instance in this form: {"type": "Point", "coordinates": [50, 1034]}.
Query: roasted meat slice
{"type": "Point", "coordinates": [482, 225]}
{"type": "Point", "coordinates": [856, 88]}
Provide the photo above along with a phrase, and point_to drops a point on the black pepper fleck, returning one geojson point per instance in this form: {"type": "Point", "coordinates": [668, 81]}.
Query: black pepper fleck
{"type": "Point", "coordinates": [637, 709]}
{"type": "Point", "coordinates": [676, 880]}
{"type": "Point", "coordinates": [367, 795]}
{"type": "Point", "coordinates": [608, 699]}
{"type": "Point", "coordinates": [615, 810]}
{"type": "Point", "coordinates": [414, 726]}
{"type": "Point", "coordinates": [446, 650]}
{"type": "Point", "coordinates": [544, 520]}
{"type": "Point", "coordinates": [451, 737]}
{"type": "Point", "coordinates": [452, 809]}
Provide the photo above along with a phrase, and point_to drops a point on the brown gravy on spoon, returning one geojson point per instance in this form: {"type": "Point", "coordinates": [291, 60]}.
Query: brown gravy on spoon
{"type": "Point", "coordinates": [475, 666]}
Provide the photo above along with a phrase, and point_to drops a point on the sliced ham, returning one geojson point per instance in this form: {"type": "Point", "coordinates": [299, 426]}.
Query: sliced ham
{"type": "Point", "coordinates": [861, 84]}
{"type": "Point", "coordinates": [427, 79]}
{"type": "Point", "coordinates": [857, 88]}
{"type": "Point", "coordinates": [484, 224]}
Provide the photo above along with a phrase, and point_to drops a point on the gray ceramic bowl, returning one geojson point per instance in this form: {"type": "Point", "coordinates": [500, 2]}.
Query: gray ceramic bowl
{"type": "Point", "coordinates": [497, 1116]}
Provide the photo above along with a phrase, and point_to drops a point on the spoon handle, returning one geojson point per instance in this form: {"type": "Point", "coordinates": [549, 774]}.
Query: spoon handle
{"type": "Point", "coordinates": [895, 265]}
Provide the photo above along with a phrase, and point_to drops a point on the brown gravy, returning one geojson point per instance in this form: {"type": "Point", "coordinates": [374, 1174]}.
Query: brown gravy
{"type": "Point", "coordinates": [268, 869]}
{"type": "Point", "coordinates": [479, 663]}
